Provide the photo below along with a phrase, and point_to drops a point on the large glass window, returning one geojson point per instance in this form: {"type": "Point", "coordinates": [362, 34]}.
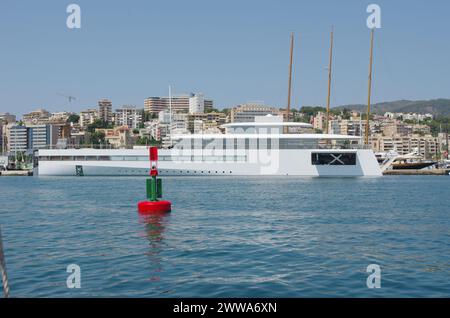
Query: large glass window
{"type": "Point", "coordinates": [333, 159]}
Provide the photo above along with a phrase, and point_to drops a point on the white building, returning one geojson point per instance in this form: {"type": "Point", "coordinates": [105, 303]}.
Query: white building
{"type": "Point", "coordinates": [196, 104]}
{"type": "Point", "coordinates": [164, 117]}
{"type": "Point", "coordinates": [129, 116]}
{"type": "Point", "coordinates": [248, 112]}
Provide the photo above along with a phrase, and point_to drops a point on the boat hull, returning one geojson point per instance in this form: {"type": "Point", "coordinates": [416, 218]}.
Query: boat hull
{"type": "Point", "coordinates": [296, 162]}
{"type": "Point", "coordinates": [412, 165]}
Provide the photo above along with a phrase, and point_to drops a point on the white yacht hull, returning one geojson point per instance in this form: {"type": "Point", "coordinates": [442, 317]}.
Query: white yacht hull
{"type": "Point", "coordinates": [134, 162]}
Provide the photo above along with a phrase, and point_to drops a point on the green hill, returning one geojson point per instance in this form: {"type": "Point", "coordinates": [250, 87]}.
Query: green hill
{"type": "Point", "coordinates": [437, 107]}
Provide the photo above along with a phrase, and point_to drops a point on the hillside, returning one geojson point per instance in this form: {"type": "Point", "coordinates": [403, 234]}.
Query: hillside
{"type": "Point", "coordinates": [437, 107]}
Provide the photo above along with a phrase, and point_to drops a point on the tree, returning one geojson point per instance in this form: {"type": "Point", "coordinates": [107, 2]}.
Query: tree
{"type": "Point", "coordinates": [149, 116]}
{"type": "Point", "coordinates": [146, 141]}
{"type": "Point", "coordinates": [212, 110]}
{"type": "Point", "coordinates": [73, 118]}
{"type": "Point", "coordinates": [312, 110]}
{"type": "Point", "coordinates": [98, 123]}
{"type": "Point", "coordinates": [97, 137]}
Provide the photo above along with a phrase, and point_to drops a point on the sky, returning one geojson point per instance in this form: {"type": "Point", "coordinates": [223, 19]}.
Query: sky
{"type": "Point", "coordinates": [231, 51]}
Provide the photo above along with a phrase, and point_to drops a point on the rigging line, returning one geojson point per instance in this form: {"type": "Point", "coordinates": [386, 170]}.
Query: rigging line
{"type": "Point", "coordinates": [3, 268]}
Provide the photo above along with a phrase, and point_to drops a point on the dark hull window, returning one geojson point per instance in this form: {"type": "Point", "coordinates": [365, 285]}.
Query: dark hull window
{"type": "Point", "coordinates": [333, 159]}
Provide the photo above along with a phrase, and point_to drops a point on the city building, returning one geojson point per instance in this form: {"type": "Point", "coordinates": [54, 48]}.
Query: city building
{"type": "Point", "coordinates": [7, 118]}
{"type": "Point", "coordinates": [17, 138]}
{"type": "Point", "coordinates": [105, 110]}
{"type": "Point", "coordinates": [2, 138]}
{"type": "Point", "coordinates": [352, 127]}
{"type": "Point", "coordinates": [59, 117]}
{"type": "Point", "coordinates": [248, 112]}
{"type": "Point", "coordinates": [408, 116]}
{"type": "Point", "coordinates": [427, 146]}
{"type": "Point", "coordinates": [129, 116]}
{"type": "Point", "coordinates": [118, 137]}
{"type": "Point", "coordinates": [164, 117]}
{"type": "Point", "coordinates": [32, 137]}
{"type": "Point", "coordinates": [180, 103]}
{"type": "Point", "coordinates": [36, 117]}
{"type": "Point", "coordinates": [204, 122]}
{"type": "Point", "coordinates": [157, 130]}
{"type": "Point", "coordinates": [40, 136]}
{"type": "Point", "coordinates": [88, 117]}
{"type": "Point", "coordinates": [196, 104]}
{"type": "Point", "coordinates": [319, 121]}
{"type": "Point", "coordinates": [76, 138]}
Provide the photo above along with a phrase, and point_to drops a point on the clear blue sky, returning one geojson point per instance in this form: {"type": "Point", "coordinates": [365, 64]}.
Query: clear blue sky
{"type": "Point", "coordinates": [232, 51]}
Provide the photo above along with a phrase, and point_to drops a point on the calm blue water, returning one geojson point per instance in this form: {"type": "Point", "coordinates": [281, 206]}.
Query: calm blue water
{"type": "Point", "coordinates": [280, 237]}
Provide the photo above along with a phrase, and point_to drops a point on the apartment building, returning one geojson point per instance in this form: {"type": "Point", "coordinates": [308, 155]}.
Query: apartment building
{"type": "Point", "coordinates": [248, 112]}
{"type": "Point", "coordinates": [87, 117]}
{"type": "Point", "coordinates": [129, 116]}
{"type": "Point", "coordinates": [179, 103]}
{"type": "Point", "coordinates": [105, 110]}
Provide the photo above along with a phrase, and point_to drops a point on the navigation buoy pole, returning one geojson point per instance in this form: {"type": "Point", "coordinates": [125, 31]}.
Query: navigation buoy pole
{"type": "Point", "coordinates": [3, 268]}
{"type": "Point", "coordinates": [154, 189]}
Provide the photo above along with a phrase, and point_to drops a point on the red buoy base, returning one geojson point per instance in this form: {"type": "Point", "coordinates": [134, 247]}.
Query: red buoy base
{"type": "Point", "coordinates": [149, 207]}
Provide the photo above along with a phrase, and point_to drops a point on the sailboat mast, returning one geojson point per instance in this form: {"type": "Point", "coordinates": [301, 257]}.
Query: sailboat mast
{"type": "Point", "coordinates": [288, 110]}
{"type": "Point", "coordinates": [170, 105]}
{"type": "Point", "coordinates": [369, 87]}
{"type": "Point", "coordinates": [330, 65]}
{"type": "Point", "coordinates": [170, 113]}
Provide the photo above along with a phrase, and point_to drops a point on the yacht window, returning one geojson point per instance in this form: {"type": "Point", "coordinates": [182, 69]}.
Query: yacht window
{"type": "Point", "coordinates": [333, 159]}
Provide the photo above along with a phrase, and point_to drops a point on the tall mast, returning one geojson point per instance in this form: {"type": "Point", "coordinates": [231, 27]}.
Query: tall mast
{"type": "Point", "coordinates": [330, 65]}
{"type": "Point", "coordinates": [170, 113]}
{"type": "Point", "coordinates": [369, 87]}
{"type": "Point", "coordinates": [288, 110]}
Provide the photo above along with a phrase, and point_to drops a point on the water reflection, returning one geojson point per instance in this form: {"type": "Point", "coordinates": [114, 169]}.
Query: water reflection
{"type": "Point", "coordinates": [155, 226]}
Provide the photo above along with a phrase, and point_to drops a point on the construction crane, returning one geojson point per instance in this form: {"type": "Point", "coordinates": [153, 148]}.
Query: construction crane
{"type": "Point", "coordinates": [69, 98]}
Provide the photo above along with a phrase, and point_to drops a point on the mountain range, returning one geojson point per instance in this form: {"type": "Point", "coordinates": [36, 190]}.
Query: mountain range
{"type": "Point", "coordinates": [437, 107]}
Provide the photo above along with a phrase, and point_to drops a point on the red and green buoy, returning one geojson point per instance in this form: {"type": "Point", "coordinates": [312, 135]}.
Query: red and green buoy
{"type": "Point", "coordinates": [154, 190]}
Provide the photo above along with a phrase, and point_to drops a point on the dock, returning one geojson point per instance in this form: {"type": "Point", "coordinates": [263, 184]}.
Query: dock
{"type": "Point", "coordinates": [22, 173]}
{"type": "Point", "coordinates": [422, 172]}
